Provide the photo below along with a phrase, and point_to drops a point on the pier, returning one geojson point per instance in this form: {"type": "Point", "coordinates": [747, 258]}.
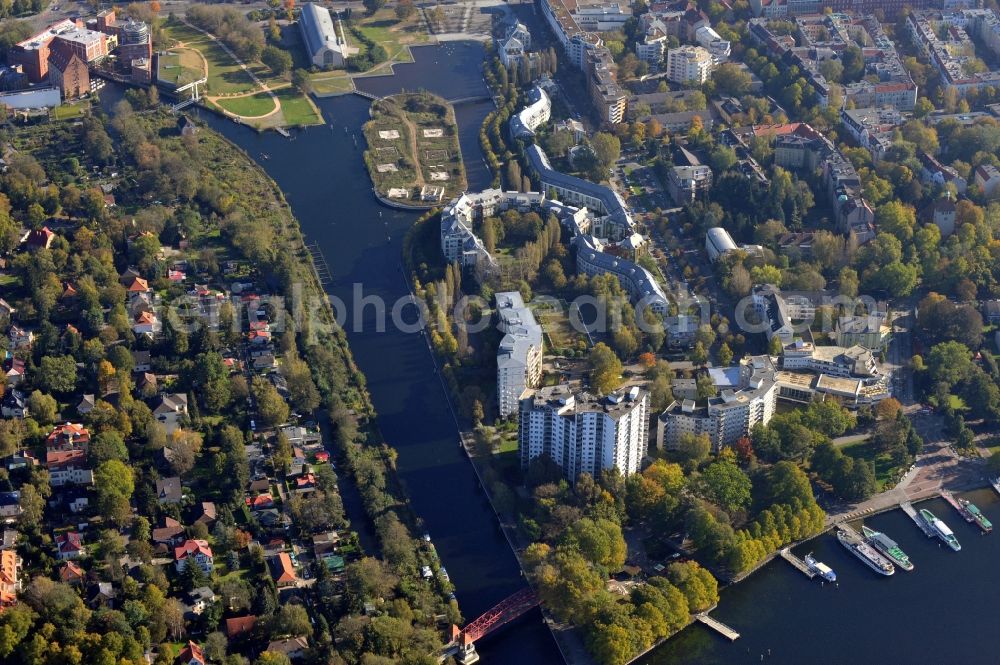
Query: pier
{"type": "Point", "coordinates": [797, 563]}
{"type": "Point", "coordinates": [953, 502]}
{"type": "Point", "coordinates": [912, 512]}
{"type": "Point", "coordinates": [717, 625]}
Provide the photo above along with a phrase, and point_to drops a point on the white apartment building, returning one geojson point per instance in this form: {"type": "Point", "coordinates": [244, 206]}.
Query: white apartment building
{"type": "Point", "coordinates": [747, 395]}
{"type": "Point", "coordinates": [519, 356]}
{"type": "Point", "coordinates": [689, 64]}
{"type": "Point", "coordinates": [532, 116]}
{"type": "Point", "coordinates": [836, 361]}
{"type": "Point", "coordinates": [583, 433]}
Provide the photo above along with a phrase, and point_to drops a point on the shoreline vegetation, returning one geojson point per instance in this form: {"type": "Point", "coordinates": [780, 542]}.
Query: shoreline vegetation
{"type": "Point", "coordinates": [369, 457]}
{"type": "Point", "coordinates": [413, 154]}
{"type": "Point", "coordinates": [222, 221]}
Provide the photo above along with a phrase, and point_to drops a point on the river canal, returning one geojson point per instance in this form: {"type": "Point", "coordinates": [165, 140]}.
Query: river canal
{"type": "Point", "coordinates": [322, 173]}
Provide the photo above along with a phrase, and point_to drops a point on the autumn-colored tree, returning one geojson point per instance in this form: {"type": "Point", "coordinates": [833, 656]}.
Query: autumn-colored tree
{"type": "Point", "coordinates": [154, 7]}
{"type": "Point", "coordinates": [647, 359]}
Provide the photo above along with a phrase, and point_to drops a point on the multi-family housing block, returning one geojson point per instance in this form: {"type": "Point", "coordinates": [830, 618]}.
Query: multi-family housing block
{"type": "Point", "coordinates": [585, 433]}
{"type": "Point", "coordinates": [519, 356]}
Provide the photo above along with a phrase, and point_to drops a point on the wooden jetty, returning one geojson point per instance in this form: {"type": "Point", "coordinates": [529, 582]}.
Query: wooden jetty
{"type": "Point", "coordinates": [797, 563]}
{"type": "Point", "coordinates": [717, 625]}
{"type": "Point", "coordinates": [915, 516]}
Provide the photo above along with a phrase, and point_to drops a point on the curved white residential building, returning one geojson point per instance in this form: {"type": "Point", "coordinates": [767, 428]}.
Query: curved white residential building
{"type": "Point", "coordinates": [532, 116]}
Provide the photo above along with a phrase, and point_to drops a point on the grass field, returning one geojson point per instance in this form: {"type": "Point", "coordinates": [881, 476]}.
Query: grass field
{"type": "Point", "coordinates": [331, 83]}
{"type": "Point", "coordinates": [297, 109]}
{"type": "Point", "coordinates": [249, 107]}
{"type": "Point", "coordinates": [180, 66]}
{"type": "Point", "coordinates": [68, 111]}
{"type": "Point", "coordinates": [224, 75]}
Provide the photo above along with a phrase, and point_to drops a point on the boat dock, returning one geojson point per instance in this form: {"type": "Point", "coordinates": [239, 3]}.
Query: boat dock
{"type": "Point", "coordinates": [953, 502]}
{"type": "Point", "coordinates": [798, 563]}
{"type": "Point", "coordinates": [851, 534]}
{"type": "Point", "coordinates": [912, 512]}
{"type": "Point", "coordinates": [717, 625]}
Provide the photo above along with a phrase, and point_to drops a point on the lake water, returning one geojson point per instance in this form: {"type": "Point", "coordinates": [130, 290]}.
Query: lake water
{"type": "Point", "coordinates": [941, 612]}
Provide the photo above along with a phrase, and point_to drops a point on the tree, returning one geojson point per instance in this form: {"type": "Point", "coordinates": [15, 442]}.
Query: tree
{"type": "Point", "coordinates": [600, 541]}
{"type": "Point", "coordinates": [271, 406]}
{"type": "Point", "coordinates": [43, 408]}
{"type": "Point", "coordinates": [726, 485]}
{"type": "Point", "coordinates": [405, 9]}
{"type": "Point", "coordinates": [372, 6]}
{"type": "Point", "coordinates": [369, 579]}
{"type": "Point", "coordinates": [278, 60]}
{"type": "Point", "coordinates": [607, 149]}
{"type": "Point", "coordinates": [290, 621]}
{"type": "Point", "coordinates": [732, 80]}
{"type": "Point", "coordinates": [606, 369]}
{"type": "Point", "coordinates": [693, 449]}
{"type": "Point", "coordinates": [108, 445]}
{"type": "Point", "coordinates": [697, 584]}
{"type": "Point", "coordinates": [725, 355]}
{"type": "Point", "coordinates": [115, 484]}
{"type": "Point", "coordinates": [57, 374]}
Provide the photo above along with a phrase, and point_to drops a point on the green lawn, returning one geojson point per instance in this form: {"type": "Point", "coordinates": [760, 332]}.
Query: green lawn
{"type": "Point", "coordinates": [224, 75]}
{"type": "Point", "coordinates": [67, 111]}
{"type": "Point", "coordinates": [885, 472]}
{"type": "Point", "coordinates": [297, 109]}
{"type": "Point", "coordinates": [331, 83]}
{"type": "Point", "coordinates": [251, 106]}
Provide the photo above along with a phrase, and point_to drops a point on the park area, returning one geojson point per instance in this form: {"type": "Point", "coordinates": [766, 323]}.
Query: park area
{"type": "Point", "coordinates": [230, 87]}
{"type": "Point", "coordinates": [413, 154]}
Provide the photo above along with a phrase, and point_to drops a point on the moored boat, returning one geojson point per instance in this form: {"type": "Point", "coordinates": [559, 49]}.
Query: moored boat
{"type": "Point", "coordinates": [995, 482]}
{"type": "Point", "coordinates": [866, 553]}
{"type": "Point", "coordinates": [977, 515]}
{"type": "Point", "coordinates": [888, 547]}
{"type": "Point", "coordinates": [820, 568]}
{"type": "Point", "coordinates": [940, 529]}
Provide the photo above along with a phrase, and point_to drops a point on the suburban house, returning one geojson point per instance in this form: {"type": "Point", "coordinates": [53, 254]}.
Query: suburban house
{"type": "Point", "coordinates": [170, 534]}
{"type": "Point", "coordinates": [10, 504]}
{"type": "Point", "coordinates": [168, 490]}
{"type": "Point", "coordinates": [282, 570]}
{"type": "Point", "coordinates": [987, 178]}
{"type": "Point", "coordinates": [70, 573]}
{"type": "Point", "coordinates": [69, 545]}
{"type": "Point", "coordinates": [170, 409]}
{"type": "Point", "coordinates": [68, 467]}
{"type": "Point", "coordinates": [14, 404]}
{"type": "Point", "coordinates": [13, 369]}
{"type": "Point", "coordinates": [194, 550]}
{"type": "Point", "coordinates": [293, 647]}
{"type": "Point", "coordinates": [240, 625]}
{"type": "Point", "coordinates": [9, 584]}
{"type": "Point", "coordinates": [70, 436]}
{"type": "Point", "coordinates": [191, 655]}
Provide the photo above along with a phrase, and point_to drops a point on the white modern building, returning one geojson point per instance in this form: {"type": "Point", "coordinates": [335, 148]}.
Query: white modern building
{"type": "Point", "coordinates": [583, 433]}
{"type": "Point", "coordinates": [519, 357]}
{"type": "Point", "coordinates": [532, 116]}
{"type": "Point", "coordinates": [746, 395]}
{"type": "Point", "coordinates": [325, 44]}
{"type": "Point", "coordinates": [689, 64]}
{"type": "Point", "coordinates": [514, 44]}
{"type": "Point", "coordinates": [718, 242]}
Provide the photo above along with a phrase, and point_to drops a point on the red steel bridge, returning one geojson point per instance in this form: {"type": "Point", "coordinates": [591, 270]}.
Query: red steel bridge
{"type": "Point", "coordinates": [462, 639]}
